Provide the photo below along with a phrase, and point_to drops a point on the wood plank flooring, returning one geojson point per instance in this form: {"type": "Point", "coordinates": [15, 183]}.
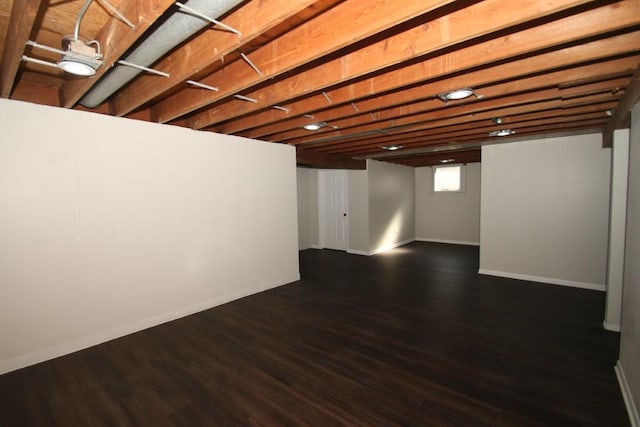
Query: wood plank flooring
{"type": "Point", "coordinates": [412, 337]}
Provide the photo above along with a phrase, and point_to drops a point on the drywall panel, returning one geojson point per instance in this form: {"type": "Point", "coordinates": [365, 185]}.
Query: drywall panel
{"type": "Point", "coordinates": [544, 210]}
{"type": "Point", "coordinates": [111, 225]}
{"type": "Point", "coordinates": [358, 195]}
{"type": "Point", "coordinates": [303, 178]}
{"type": "Point", "coordinates": [629, 362]}
{"type": "Point", "coordinates": [391, 205]}
{"type": "Point", "coordinates": [314, 208]}
{"type": "Point", "coordinates": [617, 223]}
{"type": "Point", "coordinates": [448, 217]}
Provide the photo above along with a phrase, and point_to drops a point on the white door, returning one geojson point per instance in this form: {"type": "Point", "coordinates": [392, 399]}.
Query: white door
{"type": "Point", "coordinates": [333, 209]}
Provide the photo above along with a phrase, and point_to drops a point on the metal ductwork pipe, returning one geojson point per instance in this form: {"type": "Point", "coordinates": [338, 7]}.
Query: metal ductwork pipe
{"type": "Point", "coordinates": [175, 30]}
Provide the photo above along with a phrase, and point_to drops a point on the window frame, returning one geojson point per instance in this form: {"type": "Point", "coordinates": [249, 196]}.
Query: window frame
{"type": "Point", "coordinates": [461, 167]}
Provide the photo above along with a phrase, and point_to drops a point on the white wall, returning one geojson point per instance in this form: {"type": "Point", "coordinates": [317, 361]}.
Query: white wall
{"type": "Point", "coordinates": [448, 217]}
{"type": "Point", "coordinates": [628, 367]}
{"type": "Point", "coordinates": [617, 223]}
{"type": "Point", "coordinates": [358, 194]}
{"type": "Point", "coordinates": [358, 209]}
{"type": "Point", "coordinates": [303, 178]}
{"type": "Point", "coordinates": [391, 205]}
{"type": "Point", "coordinates": [308, 226]}
{"type": "Point", "coordinates": [110, 225]}
{"type": "Point", "coordinates": [380, 207]}
{"type": "Point", "coordinates": [544, 210]}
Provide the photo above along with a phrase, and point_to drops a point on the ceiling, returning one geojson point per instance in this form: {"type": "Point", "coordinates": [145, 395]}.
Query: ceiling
{"type": "Point", "coordinates": [369, 70]}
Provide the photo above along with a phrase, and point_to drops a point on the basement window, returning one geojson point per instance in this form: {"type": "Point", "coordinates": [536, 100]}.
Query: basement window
{"type": "Point", "coordinates": [448, 179]}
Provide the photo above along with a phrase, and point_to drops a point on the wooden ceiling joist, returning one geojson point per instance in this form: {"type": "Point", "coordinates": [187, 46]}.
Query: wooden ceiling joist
{"type": "Point", "coordinates": [540, 38]}
{"type": "Point", "coordinates": [287, 52]}
{"type": "Point", "coordinates": [409, 113]}
{"type": "Point", "coordinates": [432, 130]}
{"type": "Point", "coordinates": [327, 161]}
{"type": "Point", "coordinates": [206, 49]}
{"type": "Point", "coordinates": [369, 71]}
{"type": "Point", "coordinates": [441, 33]}
{"type": "Point", "coordinates": [116, 38]}
{"type": "Point", "coordinates": [23, 16]}
{"type": "Point", "coordinates": [504, 107]}
{"type": "Point", "coordinates": [620, 115]}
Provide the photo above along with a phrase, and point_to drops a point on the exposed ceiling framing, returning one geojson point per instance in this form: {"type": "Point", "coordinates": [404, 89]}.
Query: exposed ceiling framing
{"type": "Point", "coordinates": [368, 70]}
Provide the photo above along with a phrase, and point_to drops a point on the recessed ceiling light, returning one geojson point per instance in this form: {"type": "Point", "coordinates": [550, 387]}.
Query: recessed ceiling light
{"type": "Point", "coordinates": [455, 95]}
{"type": "Point", "coordinates": [502, 132]}
{"type": "Point", "coordinates": [75, 67]}
{"type": "Point", "coordinates": [391, 147]}
{"type": "Point", "coordinates": [447, 161]}
{"type": "Point", "coordinates": [497, 120]}
{"type": "Point", "coordinates": [315, 126]}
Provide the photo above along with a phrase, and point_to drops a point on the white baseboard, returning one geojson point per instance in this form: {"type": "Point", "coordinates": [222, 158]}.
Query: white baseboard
{"type": "Point", "coordinates": [634, 416]}
{"type": "Point", "coordinates": [451, 242]}
{"type": "Point", "coordinates": [120, 331]}
{"type": "Point", "coordinates": [611, 326]}
{"type": "Point", "coordinates": [316, 247]}
{"type": "Point", "coordinates": [380, 249]}
{"type": "Point", "coordinates": [549, 280]}
{"type": "Point", "coordinates": [391, 246]}
{"type": "Point", "coordinates": [358, 252]}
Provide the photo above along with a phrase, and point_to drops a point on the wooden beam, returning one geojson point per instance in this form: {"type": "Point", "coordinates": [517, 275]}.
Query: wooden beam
{"type": "Point", "coordinates": [406, 113]}
{"type": "Point", "coordinates": [28, 91]}
{"type": "Point", "coordinates": [116, 38]}
{"type": "Point", "coordinates": [433, 109]}
{"type": "Point", "coordinates": [588, 24]}
{"type": "Point", "coordinates": [349, 22]}
{"type": "Point", "coordinates": [327, 161]}
{"type": "Point", "coordinates": [472, 155]}
{"type": "Point", "coordinates": [428, 131]}
{"type": "Point", "coordinates": [620, 115]}
{"type": "Point", "coordinates": [457, 27]}
{"type": "Point", "coordinates": [476, 134]}
{"type": "Point", "coordinates": [23, 16]}
{"type": "Point", "coordinates": [434, 130]}
{"type": "Point", "coordinates": [206, 49]}
{"type": "Point", "coordinates": [480, 129]}
{"type": "Point", "coordinates": [479, 139]}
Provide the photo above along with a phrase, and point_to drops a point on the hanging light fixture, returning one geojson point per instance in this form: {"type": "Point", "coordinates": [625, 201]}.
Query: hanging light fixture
{"type": "Point", "coordinates": [79, 57]}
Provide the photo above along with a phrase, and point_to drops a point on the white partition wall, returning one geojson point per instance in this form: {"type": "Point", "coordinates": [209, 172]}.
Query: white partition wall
{"type": "Point", "coordinates": [391, 205]}
{"type": "Point", "coordinates": [108, 226]}
{"type": "Point", "coordinates": [308, 221]}
{"type": "Point", "coordinates": [544, 210]}
{"type": "Point", "coordinates": [617, 223]}
{"type": "Point", "coordinates": [628, 368]}
{"type": "Point", "coordinates": [358, 211]}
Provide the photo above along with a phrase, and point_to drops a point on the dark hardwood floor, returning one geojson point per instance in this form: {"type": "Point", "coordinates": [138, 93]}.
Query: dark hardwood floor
{"type": "Point", "coordinates": [412, 337]}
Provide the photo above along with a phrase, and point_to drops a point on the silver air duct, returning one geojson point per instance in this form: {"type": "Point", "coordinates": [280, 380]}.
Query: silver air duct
{"type": "Point", "coordinates": [179, 27]}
